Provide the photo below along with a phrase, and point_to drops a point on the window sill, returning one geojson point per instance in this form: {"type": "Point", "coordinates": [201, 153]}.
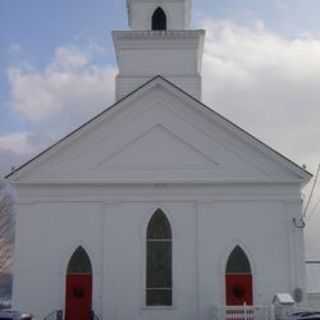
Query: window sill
{"type": "Point", "coordinates": [151, 308]}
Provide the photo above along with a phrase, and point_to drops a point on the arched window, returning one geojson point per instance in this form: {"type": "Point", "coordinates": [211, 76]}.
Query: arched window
{"type": "Point", "coordinates": [238, 262]}
{"type": "Point", "coordinates": [79, 262]}
{"type": "Point", "coordinates": [159, 261]}
{"type": "Point", "coordinates": [159, 20]}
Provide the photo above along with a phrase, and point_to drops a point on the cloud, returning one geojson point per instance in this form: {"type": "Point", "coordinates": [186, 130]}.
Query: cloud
{"type": "Point", "coordinates": [71, 88]}
{"type": "Point", "coordinates": [15, 148]}
{"type": "Point", "coordinates": [16, 142]}
{"type": "Point", "coordinates": [266, 83]}
{"type": "Point", "coordinates": [55, 99]}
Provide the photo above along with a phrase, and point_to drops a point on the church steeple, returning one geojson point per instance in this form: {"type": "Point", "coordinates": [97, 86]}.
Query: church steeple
{"type": "Point", "coordinates": [160, 42]}
{"type": "Point", "coordinates": [141, 13]}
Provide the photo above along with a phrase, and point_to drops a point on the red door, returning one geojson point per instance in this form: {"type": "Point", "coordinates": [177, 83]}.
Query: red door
{"type": "Point", "coordinates": [239, 289]}
{"type": "Point", "coordinates": [78, 296]}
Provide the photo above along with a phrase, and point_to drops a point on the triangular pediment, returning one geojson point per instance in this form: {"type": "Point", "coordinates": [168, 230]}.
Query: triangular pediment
{"type": "Point", "coordinates": [159, 134]}
{"type": "Point", "coordinates": [158, 149]}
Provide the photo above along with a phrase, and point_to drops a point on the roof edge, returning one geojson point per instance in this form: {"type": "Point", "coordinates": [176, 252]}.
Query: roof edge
{"type": "Point", "coordinates": [59, 141]}
{"type": "Point", "coordinates": [303, 173]}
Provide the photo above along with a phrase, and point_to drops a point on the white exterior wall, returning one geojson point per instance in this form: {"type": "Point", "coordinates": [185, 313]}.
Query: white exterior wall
{"type": "Point", "coordinates": [192, 84]}
{"type": "Point", "coordinates": [314, 300]}
{"type": "Point", "coordinates": [110, 223]}
{"type": "Point", "coordinates": [175, 55]}
{"type": "Point", "coordinates": [152, 61]}
{"type": "Point", "coordinates": [45, 241]}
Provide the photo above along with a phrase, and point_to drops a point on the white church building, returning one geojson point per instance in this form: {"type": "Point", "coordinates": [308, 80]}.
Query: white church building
{"type": "Point", "coordinates": [159, 207]}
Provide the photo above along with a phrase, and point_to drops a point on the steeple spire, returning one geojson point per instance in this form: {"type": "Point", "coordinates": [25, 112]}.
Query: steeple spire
{"type": "Point", "coordinates": [160, 42]}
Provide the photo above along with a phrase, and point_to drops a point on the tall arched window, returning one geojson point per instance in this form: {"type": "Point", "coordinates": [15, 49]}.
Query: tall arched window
{"type": "Point", "coordinates": [238, 278]}
{"type": "Point", "coordinates": [159, 261]}
{"type": "Point", "coordinates": [159, 20]}
{"type": "Point", "coordinates": [79, 262]}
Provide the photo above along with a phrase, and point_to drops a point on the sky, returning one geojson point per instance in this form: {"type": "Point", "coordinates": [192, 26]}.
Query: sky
{"type": "Point", "coordinates": [261, 69]}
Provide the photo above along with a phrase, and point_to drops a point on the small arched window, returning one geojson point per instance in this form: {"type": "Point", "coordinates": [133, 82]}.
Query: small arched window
{"type": "Point", "coordinates": [159, 20]}
{"type": "Point", "coordinates": [79, 262]}
{"type": "Point", "coordinates": [238, 262]}
{"type": "Point", "coordinates": [159, 261]}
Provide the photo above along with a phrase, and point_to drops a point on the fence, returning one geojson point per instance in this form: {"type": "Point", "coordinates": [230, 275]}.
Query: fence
{"type": "Point", "coordinates": [244, 312]}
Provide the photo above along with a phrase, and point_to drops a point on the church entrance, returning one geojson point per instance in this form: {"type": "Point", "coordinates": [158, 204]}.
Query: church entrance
{"type": "Point", "coordinates": [238, 279]}
{"type": "Point", "coordinates": [78, 303]}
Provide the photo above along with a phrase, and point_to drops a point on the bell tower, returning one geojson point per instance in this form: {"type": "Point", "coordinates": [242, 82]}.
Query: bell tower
{"type": "Point", "coordinates": [141, 13]}
{"type": "Point", "coordinates": [160, 42]}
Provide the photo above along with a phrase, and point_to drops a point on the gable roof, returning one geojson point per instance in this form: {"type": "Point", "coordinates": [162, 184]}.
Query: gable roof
{"type": "Point", "coordinates": [298, 170]}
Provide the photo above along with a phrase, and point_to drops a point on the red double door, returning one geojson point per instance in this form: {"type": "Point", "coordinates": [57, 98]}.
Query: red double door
{"type": "Point", "coordinates": [239, 289]}
{"type": "Point", "coordinates": [78, 297]}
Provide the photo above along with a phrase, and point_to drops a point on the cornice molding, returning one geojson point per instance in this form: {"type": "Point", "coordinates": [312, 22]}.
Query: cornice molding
{"type": "Point", "coordinates": [158, 35]}
{"type": "Point", "coordinates": [171, 182]}
{"type": "Point", "coordinates": [204, 200]}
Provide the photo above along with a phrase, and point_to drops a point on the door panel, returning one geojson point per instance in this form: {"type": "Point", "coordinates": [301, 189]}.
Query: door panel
{"type": "Point", "coordinates": [78, 297]}
{"type": "Point", "coordinates": [239, 289]}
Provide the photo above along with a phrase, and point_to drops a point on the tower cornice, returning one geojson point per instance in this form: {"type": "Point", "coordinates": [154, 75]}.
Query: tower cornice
{"type": "Point", "coordinates": [158, 35]}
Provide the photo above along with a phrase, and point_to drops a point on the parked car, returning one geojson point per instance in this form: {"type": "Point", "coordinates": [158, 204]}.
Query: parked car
{"type": "Point", "coordinates": [14, 315]}
{"type": "Point", "coordinates": [305, 315]}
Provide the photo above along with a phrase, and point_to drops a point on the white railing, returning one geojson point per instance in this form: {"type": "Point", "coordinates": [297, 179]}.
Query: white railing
{"type": "Point", "coordinates": [244, 312]}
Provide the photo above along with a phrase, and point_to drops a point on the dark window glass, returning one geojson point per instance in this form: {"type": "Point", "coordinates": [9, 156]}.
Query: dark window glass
{"type": "Point", "coordinates": [159, 261]}
{"type": "Point", "coordinates": [159, 264]}
{"type": "Point", "coordinates": [160, 297]}
{"type": "Point", "coordinates": [238, 262]}
{"type": "Point", "coordinates": [159, 226]}
{"type": "Point", "coordinates": [159, 20]}
{"type": "Point", "coordinates": [79, 262]}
